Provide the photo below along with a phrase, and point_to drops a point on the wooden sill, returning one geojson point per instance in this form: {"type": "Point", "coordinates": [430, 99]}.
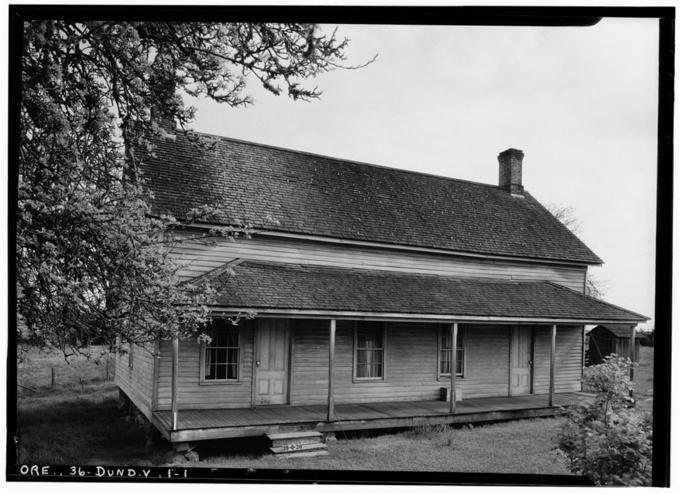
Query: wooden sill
{"type": "Point", "coordinates": [219, 382]}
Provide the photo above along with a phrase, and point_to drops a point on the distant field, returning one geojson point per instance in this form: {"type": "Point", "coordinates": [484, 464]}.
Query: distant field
{"type": "Point", "coordinates": [76, 419]}
{"type": "Point", "coordinates": [36, 369]}
{"type": "Point", "coordinates": [644, 378]}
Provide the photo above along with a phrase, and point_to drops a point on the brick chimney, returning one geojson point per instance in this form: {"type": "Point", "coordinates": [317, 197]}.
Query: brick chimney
{"type": "Point", "coordinates": [510, 171]}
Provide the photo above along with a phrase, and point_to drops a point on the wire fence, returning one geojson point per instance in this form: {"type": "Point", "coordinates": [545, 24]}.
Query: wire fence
{"type": "Point", "coordinates": [48, 368]}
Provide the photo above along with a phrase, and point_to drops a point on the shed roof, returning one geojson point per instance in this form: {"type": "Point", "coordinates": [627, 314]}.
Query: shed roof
{"type": "Point", "coordinates": [620, 331]}
{"type": "Point", "coordinates": [295, 192]}
{"type": "Point", "coordinates": [273, 286]}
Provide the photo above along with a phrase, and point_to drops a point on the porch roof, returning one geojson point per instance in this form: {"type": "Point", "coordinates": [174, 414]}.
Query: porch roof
{"type": "Point", "coordinates": [306, 289]}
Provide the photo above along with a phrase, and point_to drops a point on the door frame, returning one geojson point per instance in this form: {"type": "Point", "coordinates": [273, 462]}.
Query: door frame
{"type": "Point", "coordinates": [288, 359]}
{"type": "Point", "coordinates": [532, 346]}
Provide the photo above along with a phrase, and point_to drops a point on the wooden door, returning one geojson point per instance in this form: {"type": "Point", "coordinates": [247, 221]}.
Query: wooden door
{"type": "Point", "coordinates": [520, 361]}
{"type": "Point", "coordinates": [271, 362]}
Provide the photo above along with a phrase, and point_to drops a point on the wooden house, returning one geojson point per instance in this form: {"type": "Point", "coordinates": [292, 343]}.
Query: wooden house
{"type": "Point", "coordinates": [611, 338]}
{"type": "Point", "coordinates": [377, 292]}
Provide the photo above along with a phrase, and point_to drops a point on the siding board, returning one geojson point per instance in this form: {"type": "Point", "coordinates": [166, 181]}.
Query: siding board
{"type": "Point", "coordinates": [137, 383]}
{"type": "Point", "coordinates": [410, 363]}
{"type": "Point", "coordinates": [410, 366]}
{"type": "Point", "coordinates": [568, 359]}
{"type": "Point", "coordinates": [200, 257]}
{"type": "Point", "coordinates": [191, 394]}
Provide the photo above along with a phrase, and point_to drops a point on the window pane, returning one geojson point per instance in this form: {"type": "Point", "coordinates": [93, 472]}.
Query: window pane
{"type": "Point", "coordinates": [210, 371]}
{"type": "Point", "coordinates": [232, 356]}
{"type": "Point", "coordinates": [445, 352]}
{"type": "Point", "coordinates": [445, 362]}
{"type": "Point", "coordinates": [221, 372]}
{"type": "Point", "coordinates": [232, 371]}
{"type": "Point", "coordinates": [222, 354]}
{"type": "Point", "coordinates": [446, 339]}
{"type": "Point", "coordinates": [369, 349]}
{"type": "Point", "coordinates": [365, 340]}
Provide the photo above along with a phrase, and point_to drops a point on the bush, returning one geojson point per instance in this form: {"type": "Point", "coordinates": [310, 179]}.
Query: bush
{"type": "Point", "coordinates": [607, 439]}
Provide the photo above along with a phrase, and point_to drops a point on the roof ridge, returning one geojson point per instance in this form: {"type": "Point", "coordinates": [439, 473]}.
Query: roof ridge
{"type": "Point", "coordinates": [347, 160]}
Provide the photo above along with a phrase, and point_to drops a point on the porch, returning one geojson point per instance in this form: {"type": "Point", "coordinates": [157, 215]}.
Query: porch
{"type": "Point", "coordinates": [211, 424]}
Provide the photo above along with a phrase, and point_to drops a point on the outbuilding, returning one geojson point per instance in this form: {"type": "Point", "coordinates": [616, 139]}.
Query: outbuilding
{"type": "Point", "coordinates": [611, 338]}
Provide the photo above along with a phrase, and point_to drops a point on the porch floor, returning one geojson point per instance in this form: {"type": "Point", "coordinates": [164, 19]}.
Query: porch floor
{"type": "Point", "coordinates": [207, 424]}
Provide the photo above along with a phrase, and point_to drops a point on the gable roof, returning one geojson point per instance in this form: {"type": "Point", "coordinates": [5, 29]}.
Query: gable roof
{"type": "Point", "coordinates": [295, 192]}
{"type": "Point", "coordinates": [276, 286]}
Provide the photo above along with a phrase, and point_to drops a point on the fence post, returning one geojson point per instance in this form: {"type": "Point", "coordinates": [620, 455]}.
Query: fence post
{"type": "Point", "coordinates": [52, 378]}
{"type": "Point", "coordinates": [107, 367]}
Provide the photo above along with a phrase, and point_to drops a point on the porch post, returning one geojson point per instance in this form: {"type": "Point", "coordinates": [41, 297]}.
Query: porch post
{"type": "Point", "coordinates": [175, 372]}
{"type": "Point", "coordinates": [551, 389]}
{"type": "Point", "coordinates": [632, 356]}
{"type": "Point", "coordinates": [331, 364]}
{"type": "Point", "coordinates": [454, 339]}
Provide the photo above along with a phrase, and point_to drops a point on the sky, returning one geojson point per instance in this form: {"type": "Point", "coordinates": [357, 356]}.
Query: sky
{"type": "Point", "coordinates": [581, 102]}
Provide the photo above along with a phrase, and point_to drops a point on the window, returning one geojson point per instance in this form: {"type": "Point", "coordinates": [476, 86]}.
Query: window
{"type": "Point", "coordinates": [445, 352]}
{"type": "Point", "coordinates": [369, 345]}
{"type": "Point", "coordinates": [221, 357]}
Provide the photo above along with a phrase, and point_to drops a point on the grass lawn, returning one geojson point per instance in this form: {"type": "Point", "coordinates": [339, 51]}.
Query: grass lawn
{"type": "Point", "coordinates": [77, 422]}
{"type": "Point", "coordinates": [77, 419]}
{"type": "Point", "coordinates": [511, 447]}
{"type": "Point", "coordinates": [644, 378]}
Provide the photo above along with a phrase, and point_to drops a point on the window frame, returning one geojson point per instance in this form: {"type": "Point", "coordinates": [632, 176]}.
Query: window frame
{"type": "Point", "coordinates": [355, 350]}
{"type": "Point", "coordinates": [445, 329]}
{"type": "Point", "coordinates": [239, 367]}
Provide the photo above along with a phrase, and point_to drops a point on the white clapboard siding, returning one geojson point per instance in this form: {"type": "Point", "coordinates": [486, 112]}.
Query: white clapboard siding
{"type": "Point", "coordinates": [568, 359]}
{"type": "Point", "coordinates": [410, 363]}
{"type": "Point", "coordinates": [137, 383]}
{"type": "Point", "coordinates": [198, 258]}
{"type": "Point", "coordinates": [191, 394]}
{"type": "Point", "coordinates": [410, 366]}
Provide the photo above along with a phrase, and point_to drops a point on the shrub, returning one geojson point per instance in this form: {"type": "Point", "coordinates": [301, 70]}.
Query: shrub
{"type": "Point", "coordinates": [607, 439]}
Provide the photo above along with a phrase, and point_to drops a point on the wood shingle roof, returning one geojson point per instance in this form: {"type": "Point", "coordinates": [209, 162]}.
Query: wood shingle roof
{"type": "Point", "coordinates": [295, 192]}
{"type": "Point", "coordinates": [259, 285]}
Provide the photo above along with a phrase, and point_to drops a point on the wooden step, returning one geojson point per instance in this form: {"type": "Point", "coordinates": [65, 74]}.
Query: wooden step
{"type": "Point", "coordinates": [311, 453]}
{"type": "Point", "coordinates": [298, 438]}
{"type": "Point", "coordinates": [297, 444]}
{"type": "Point", "coordinates": [292, 434]}
{"type": "Point", "coordinates": [300, 449]}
